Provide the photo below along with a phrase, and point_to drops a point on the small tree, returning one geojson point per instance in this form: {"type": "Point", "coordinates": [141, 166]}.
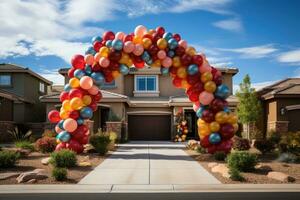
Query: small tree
{"type": "Point", "coordinates": [249, 108]}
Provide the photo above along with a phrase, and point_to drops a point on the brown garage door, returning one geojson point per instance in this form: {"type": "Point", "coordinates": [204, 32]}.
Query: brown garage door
{"type": "Point", "coordinates": [149, 127]}
{"type": "Point", "coordinates": [294, 121]}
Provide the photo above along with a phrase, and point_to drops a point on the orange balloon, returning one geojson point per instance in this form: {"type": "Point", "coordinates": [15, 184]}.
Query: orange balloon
{"type": "Point", "coordinates": [235, 127]}
{"type": "Point", "coordinates": [185, 84]}
{"type": "Point", "coordinates": [232, 118]}
{"type": "Point", "coordinates": [151, 31]}
{"type": "Point", "coordinates": [221, 117]}
{"type": "Point", "coordinates": [214, 126]}
{"type": "Point", "coordinates": [137, 40]}
{"type": "Point", "coordinates": [115, 74]}
{"type": "Point", "coordinates": [66, 105]}
{"type": "Point", "coordinates": [156, 63]}
{"type": "Point", "coordinates": [162, 43]}
{"type": "Point", "coordinates": [74, 82]}
{"type": "Point", "coordinates": [63, 114]}
{"type": "Point", "coordinates": [146, 43]}
{"type": "Point", "coordinates": [86, 99]}
{"type": "Point", "coordinates": [210, 86]}
{"type": "Point", "coordinates": [104, 51]}
{"type": "Point", "coordinates": [181, 72]}
{"type": "Point", "coordinates": [176, 61]}
{"type": "Point", "coordinates": [191, 51]}
{"type": "Point", "coordinates": [206, 76]}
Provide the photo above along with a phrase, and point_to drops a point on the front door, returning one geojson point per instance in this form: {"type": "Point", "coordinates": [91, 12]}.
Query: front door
{"type": "Point", "coordinates": [191, 118]}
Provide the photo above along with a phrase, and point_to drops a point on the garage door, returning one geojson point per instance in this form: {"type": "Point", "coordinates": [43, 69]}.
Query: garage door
{"type": "Point", "coordinates": [294, 121]}
{"type": "Point", "coordinates": [149, 127]}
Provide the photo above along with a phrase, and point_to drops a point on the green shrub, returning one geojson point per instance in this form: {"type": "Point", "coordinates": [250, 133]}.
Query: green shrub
{"type": "Point", "coordinates": [63, 158]}
{"type": "Point", "coordinates": [100, 143]}
{"type": "Point", "coordinates": [235, 175]}
{"type": "Point", "coordinates": [240, 144]}
{"type": "Point", "coordinates": [24, 145]}
{"type": "Point", "coordinates": [264, 146]}
{"type": "Point", "coordinates": [19, 135]}
{"type": "Point", "coordinates": [200, 149]}
{"type": "Point", "coordinates": [274, 137]}
{"type": "Point", "coordinates": [48, 133]}
{"type": "Point", "coordinates": [8, 158]}
{"type": "Point", "coordinates": [290, 143]}
{"type": "Point", "coordinates": [220, 155]}
{"type": "Point", "coordinates": [46, 144]}
{"type": "Point", "coordinates": [242, 161]}
{"type": "Point", "coordinates": [59, 174]}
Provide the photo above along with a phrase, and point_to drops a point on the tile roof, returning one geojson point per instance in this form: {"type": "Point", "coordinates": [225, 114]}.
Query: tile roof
{"type": "Point", "coordinates": [13, 97]}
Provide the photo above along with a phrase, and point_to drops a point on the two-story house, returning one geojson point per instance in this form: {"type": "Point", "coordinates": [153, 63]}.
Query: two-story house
{"type": "Point", "coordinates": [147, 102]}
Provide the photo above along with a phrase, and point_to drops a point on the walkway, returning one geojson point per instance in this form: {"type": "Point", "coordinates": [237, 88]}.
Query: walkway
{"type": "Point", "coordinates": [142, 163]}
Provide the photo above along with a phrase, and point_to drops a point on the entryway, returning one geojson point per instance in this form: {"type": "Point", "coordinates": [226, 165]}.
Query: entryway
{"type": "Point", "coordinates": [152, 163]}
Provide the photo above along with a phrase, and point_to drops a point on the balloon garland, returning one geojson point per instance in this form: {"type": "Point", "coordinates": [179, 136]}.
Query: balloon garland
{"type": "Point", "coordinates": [113, 54]}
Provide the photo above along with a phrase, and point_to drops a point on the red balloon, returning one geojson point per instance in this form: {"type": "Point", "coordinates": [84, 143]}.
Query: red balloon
{"type": "Point", "coordinates": [74, 114]}
{"type": "Point", "coordinates": [225, 146]}
{"type": "Point", "coordinates": [148, 36]}
{"type": "Point", "coordinates": [93, 106]}
{"type": "Point", "coordinates": [173, 71]}
{"type": "Point", "coordinates": [155, 37]}
{"type": "Point", "coordinates": [160, 31]}
{"type": "Point", "coordinates": [218, 80]}
{"type": "Point", "coordinates": [197, 59]}
{"type": "Point", "coordinates": [97, 45]}
{"type": "Point", "coordinates": [217, 105]}
{"type": "Point", "coordinates": [179, 51]}
{"type": "Point", "coordinates": [113, 66]}
{"type": "Point", "coordinates": [177, 82]}
{"type": "Point", "coordinates": [53, 116]}
{"type": "Point", "coordinates": [96, 67]}
{"type": "Point", "coordinates": [138, 63]}
{"type": "Point", "coordinates": [115, 55]}
{"type": "Point", "coordinates": [128, 38]}
{"type": "Point", "coordinates": [212, 149]}
{"type": "Point", "coordinates": [78, 61]}
{"type": "Point", "coordinates": [208, 116]}
{"type": "Point", "coordinates": [108, 35]}
{"type": "Point", "coordinates": [198, 87]}
{"type": "Point", "coordinates": [204, 142]}
{"type": "Point", "coordinates": [60, 146]}
{"type": "Point", "coordinates": [153, 49]}
{"type": "Point", "coordinates": [108, 77]}
{"type": "Point", "coordinates": [194, 96]}
{"type": "Point", "coordinates": [74, 146]}
{"type": "Point", "coordinates": [84, 140]}
{"type": "Point", "coordinates": [63, 96]}
{"type": "Point", "coordinates": [227, 131]}
{"type": "Point", "coordinates": [98, 96]}
{"type": "Point", "coordinates": [186, 59]}
{"type": "Point", "coordinates": [193, 79]}
{"type": "Point", "coordinates": [177, 37]}
{"type": "Point", "coordinates": [71, 72]}
{"type": "Point", "coordinates": [75, 93]}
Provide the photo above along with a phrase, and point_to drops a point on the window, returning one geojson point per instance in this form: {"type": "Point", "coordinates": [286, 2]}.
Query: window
{"type": "Point", "coordinates": [146, 83]}
{"type": "Point", "coordinates": [42, 87]}
{"type": "Point", "coordinates": [5, 80]}
{"type": "Point", "coordinates": [109, 85]}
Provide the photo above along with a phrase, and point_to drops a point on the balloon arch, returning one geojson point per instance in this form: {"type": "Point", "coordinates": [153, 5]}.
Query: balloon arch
{"type": "Point", "coordinates": [113, 54]}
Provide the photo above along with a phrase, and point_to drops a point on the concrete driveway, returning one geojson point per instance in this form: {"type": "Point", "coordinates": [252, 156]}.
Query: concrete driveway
{"type": "Point", "coordinates": [155, 163]}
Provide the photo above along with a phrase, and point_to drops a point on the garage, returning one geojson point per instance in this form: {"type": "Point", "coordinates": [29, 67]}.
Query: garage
{"type": "Point", "coordinates": [149, 127]}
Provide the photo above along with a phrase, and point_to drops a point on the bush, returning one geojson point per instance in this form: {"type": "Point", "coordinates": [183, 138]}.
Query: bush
{"type": "Point", "coordinates": [59, 174]}
{"type": "Point", "coordinates": [48, 133]}
{"type": "Point", "coordinates": [100, 143]}
{"type": "Point", "coordinates": [8, 158]}
{"type": "Point", "coordinates": [200, 149]}
{"type": "Point", "coordinates": [290, 143]}
{"type": "Point", "coordinates": [220, 155]}
{"type": "Point", "coordinates": [274, 137]}
{"type": "Point", "coordinates": [46, 144]}
{"type": "Point", "coordinates": [264, 146]}
{"type": "Point", "coordinates": [235, 175]}
{"type": "Point", "coordinates": [18, 135]}
{"type": "Point", "coordinates": [24, 145]}
{"type": "Point", "coordinates": [63, 158]}
{"type": "Point", "coordinates": [240, 144]}
{"type": "Point", "coordinates": [242, 161]}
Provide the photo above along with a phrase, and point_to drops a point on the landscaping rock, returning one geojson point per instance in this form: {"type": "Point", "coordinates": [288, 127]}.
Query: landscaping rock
{"type": "Point", "coordinates": [4, 176]}
{"type": "Point", "coordinates": [23, 152]}
{"type": "Point", "coordinates": [85, 164]}
{"type": "Point", "coordinates": [221, 169]}
{"type": "Point", "coordinates": [45, 161]}
{"type": "Point", "coordinates": [192, 144]}
{"type": "Point", "coordinates": [212, 164]}
{"type": "Point", "coordinates": [280, 177]}
{"type": "Point", "coordinates": [88, 148]}
{"type": "Point", "coordinates": [35, 174]}
{"type": "Point", "coordinates": [31, 181]}
{"type": "Point", "coordinates": [85, 159]}
{"type": "Point", "coordinates": [263, 167]}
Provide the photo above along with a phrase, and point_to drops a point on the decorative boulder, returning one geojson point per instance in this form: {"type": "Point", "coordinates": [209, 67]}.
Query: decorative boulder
{"type": "Point", "coordinates": [280, 177]}
{"type": "Point", "coordinates": [45, 161]}
{"type": "Point", "coordinates": [37, 174]}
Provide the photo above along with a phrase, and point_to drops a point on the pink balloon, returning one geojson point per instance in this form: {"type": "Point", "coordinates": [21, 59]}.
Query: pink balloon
{"type": "Point", "coordinates": [89, 59]}
{"type": "Point", "coordinates": [161, 54]}
{"type": "Point", "coordinates": [70, 125]}
{"type": "Point", "coordinates": [140, 30]}
{"type": "Point", "coordinates": [167, 62]}
{"type": "Point", "coordinates": [86, 82]}
{"type": "Point", "coordinates": [139, 49]}
{"type": "Point", "coordinates": [93, 90]}
{"type": "Point", "coordinates": [104, 62]}
{"type": "Point", "coordinates": [128, 47]}
{"type": "Point", "coordinates": [120, 35]}
{"type": "Point", "coordinates": [60, 146]}
{"type": "Point", "coordinates": [206, 98]}
{"type": "Point", "coordinates": [57, 129]}
{"type": "Point", "coordinates": [196, 106]}
{"type": "Point", "coordinates": [205, 67]}
{"type": "Point", "coordinates": [183, 43]}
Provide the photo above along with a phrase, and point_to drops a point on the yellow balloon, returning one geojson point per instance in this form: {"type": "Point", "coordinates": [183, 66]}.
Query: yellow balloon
{"type": "Point", "coordinates": [210, 86]}
{"type": "Point", "coordinates": [76, 103]}
{"type": "Point", "coordinates": [104, 51]}
{"type": "Point", "coordinates": [137, 40]}
{"type": "Point", "coordinates": [63, 114]}
{"type": "Point", "coordinates": [124, 59]}
{"type": "Point", "coordinates": [86, 99]}
{"type": "Point", "coordinates": [58, 141]}
{"type": "Point", "coordinates": [200, 122]}
{"type": "Point", "coordinates": [74, 82]}
{"type": "Point", "coordinates": [146, 43]}
{"type": "Point", "coordinates": [191, 51]}
{"type": "Point", "coordinates": [156, 63]}
{"type": "Point", "coordinates": [162, 43]}
{"type": "Point", "coordinates": [129, 63]}
{"type": "Point", "coordinates": [185, 84]}
{"type": "Point", "coordinates": [235, 127]}
{"type": "Point", "coordinates": [206, 76]}
{"type": "Point", "coordinates": [204, 130]}
{"type": "Point", "coordinates": [232, 118]}
{"type": "Point", "coordinates": [66, 105]}
{"type": "Point", "coordinates": [115, 74]}
{"type": "Point", "coordinates": [181, 72]}
{"type": "Point", "coordinates": [176, 61]}
{"type": "Point", "coordinates": [221, 117]}
{"type": "Point", "coordinates": [214, 126]}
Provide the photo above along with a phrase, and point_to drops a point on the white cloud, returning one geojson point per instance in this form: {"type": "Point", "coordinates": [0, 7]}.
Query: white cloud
{"type": "Point", "coordinates": [234, 25]}
{"type": "Point", "coordinates": [53, 76]}
{"type": "Point", "coordinates": [290, 57]}
{"type": "Point", "coordinates": [254, 51]}
{"type": "Point", "coordinates": [257, 86]}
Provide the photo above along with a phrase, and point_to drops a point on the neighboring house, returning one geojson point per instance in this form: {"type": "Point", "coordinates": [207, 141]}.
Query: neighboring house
{"type": "Point", "coordinates": [147, 102]}
{"type": "Point", "coordinates": [281, 105]}
{"type": "Point", "coordinates": [20, 89]}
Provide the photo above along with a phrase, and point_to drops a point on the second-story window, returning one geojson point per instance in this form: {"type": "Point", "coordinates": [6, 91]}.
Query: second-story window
{"type": "Point", "coordinates": [42, 87]}
{"type": "Point", "coordinates": [145, 83]}
{"type": "Point", "coordinates": [109, 85]}
{"type": "Point", "coordinates": [5, 80]}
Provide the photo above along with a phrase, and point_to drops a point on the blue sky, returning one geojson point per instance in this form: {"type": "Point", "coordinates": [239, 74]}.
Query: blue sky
{"type": "Point", "coordinates": [261, 38]}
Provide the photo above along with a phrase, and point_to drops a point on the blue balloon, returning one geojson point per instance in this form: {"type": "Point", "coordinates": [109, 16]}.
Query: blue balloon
{"type": "Point", "coordinates": [200, 111]}
{"type": "Point", "coordinates": [124, 69]}
{"type": "Point", "coordinates": [192, 69]}
{"type": "Point", "coordinates": [226, 109]}
{"type": "Point", "coordinates": [90, 50]}
{"type": "Point", "coordinates": [171, 53]}
{"type": "Point", "coordinates": [88, 70]}
{"type": "Point", "coordinates": [214, 138]}
{"type": "Point", "coordinates": [98, 78]}
{"type": "Point", "coordinates": [80, 121]}
{"type": "Point", "coordinates": [108, 43]}
{"type": "Point", "coordinates": [60, 124]}
{"type": "Point", "coordinates": [164, 71]}
{"type": "Point", "coordinates": [96, 38]}
{"type": "Point", "coordinates": [67, 87]}
{"type": "Point", "coordinates": [222, 91]}
{"type": "Point", "coordinates": [172, 43]}
{"type": "Point", "coordinates": [86, 113]}
{"type": "Point", "coordinates": [149, 62]}
{"type": "Point", "coordinates": [117, 44]}
{"type": "Point", "coordinates": [146, 56]}
{"type": "Point", "coordinates": [64, 136]}
{"type": "Point", "coordinates": [78, 73]}
{"type": "Point", "coordinates": [167, 36]}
